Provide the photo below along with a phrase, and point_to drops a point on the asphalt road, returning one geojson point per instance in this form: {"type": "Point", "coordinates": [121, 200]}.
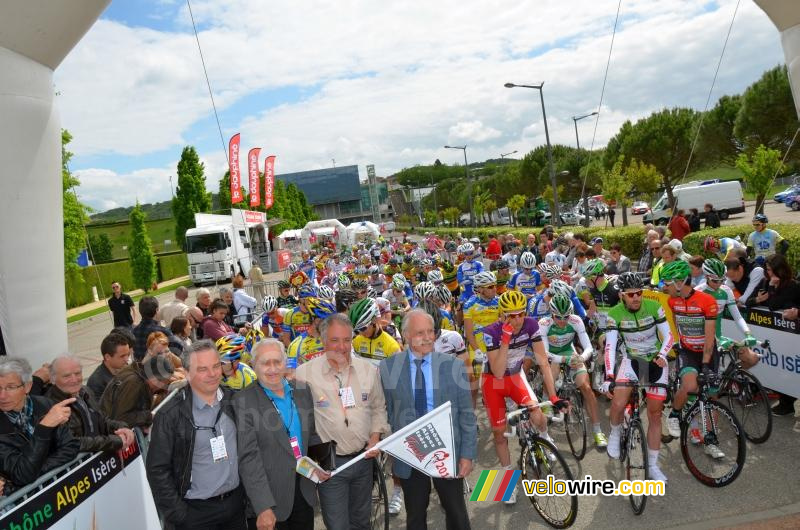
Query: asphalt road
{"type": "Point", "coordinates": [777, 213]}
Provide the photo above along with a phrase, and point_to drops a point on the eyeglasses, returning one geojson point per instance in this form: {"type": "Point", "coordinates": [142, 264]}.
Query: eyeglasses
{"type": "Point", "coordinates": [669, 283]}
{"type": "Point", "coordinates": [521, 314]}
{"type": "Point", "coordinates": [632, 293]}
{"type": "Point", "coordinates": [713, 280]}
{"type": "Point", "coordinates": [561, 317]}
{"type": "Point", "coordinates": [11, 388]}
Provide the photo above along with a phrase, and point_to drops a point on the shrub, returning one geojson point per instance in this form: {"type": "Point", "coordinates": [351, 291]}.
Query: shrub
{"type": "Point", "coordinates": [172, 266]}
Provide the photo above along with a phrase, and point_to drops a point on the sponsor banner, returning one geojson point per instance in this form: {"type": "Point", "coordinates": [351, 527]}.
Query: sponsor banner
{"type": "Point", "coordinates": [269, 181]}
{"type": "Point", "coordinates": [92, 496]}
{"type": "Point", "coordinates": [235, 170]}
{"type": "Point", "coordinates": [284, 259]}
{"type": "Point", "coordinates": [254, 217]}
{"type": "Point", "coordinates": [427, 444]}
{"type": "Point", "coordinates": [763, 317]}
{"type": "Point", "coordinates": [252, 174]}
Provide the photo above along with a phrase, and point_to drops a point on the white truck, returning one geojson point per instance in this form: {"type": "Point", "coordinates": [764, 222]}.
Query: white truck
{"type": "Point", "coordinates": [725, 196]}
{"type": "Point", "coordinates": [222, 246]}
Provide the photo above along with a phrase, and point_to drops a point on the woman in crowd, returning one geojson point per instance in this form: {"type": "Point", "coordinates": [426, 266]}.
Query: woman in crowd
{"type": "Point", "coordinates": [182, 329]}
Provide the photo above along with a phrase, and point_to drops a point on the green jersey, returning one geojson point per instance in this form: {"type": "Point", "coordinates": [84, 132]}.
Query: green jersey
{"type": "Point", "coordinates": [638, 330]}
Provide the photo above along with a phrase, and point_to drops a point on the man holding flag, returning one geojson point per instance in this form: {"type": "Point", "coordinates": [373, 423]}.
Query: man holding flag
{"type": "Point", "coordinates": [415, 382]}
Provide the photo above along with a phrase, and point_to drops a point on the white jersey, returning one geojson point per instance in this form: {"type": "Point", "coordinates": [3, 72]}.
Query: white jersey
{"type": "Point", "coordinates": [450, 342]}
{"type": "Point", "coordinates": [554, 257]}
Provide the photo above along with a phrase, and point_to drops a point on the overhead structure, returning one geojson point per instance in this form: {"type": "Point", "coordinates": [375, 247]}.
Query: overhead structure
{"type": "Point", "coordinates": [35, 37]}
{"type": "Point", "coordinates": [786, 17]}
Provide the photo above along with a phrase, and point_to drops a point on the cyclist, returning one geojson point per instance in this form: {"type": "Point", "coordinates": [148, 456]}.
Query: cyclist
{"type": "Point", "coordinates": [236, 375]}
{"type": "Point", "coordinates": [509, 340]}
{"type": "Point", "coordinates": [501, 268]}
{"type": "Point", "coordinates": [559, 331]}
{"type": "Point", "coordinates": [326, 293]}
{"type": "Point", "coordinates": [467, 270]}
{"type": "Point", "coordinates": [377, 280]}
{"type": "Point", "coordinates": [370, 341]}
{"type": "Point", "coordinates": [479, 311]}
{"type": "Point", "coordinates": [360, 286]}
{"type": "Point", "coordinates": [539, 305]}
{"type": "Point", "coordinates": [308, 266]}
{"type": "Point", "coordinates": [308, 344]}
{"type": "Point", "coordinates": [526, 280]}
{"type": "Point", "coordinates": [764, 241]}
{"type": "Point", "coordinates": [599, 294]}
{"type": "Point", "coordinates": [297, 320]}
{"type": "Point", "coordinates": [637, 323]}
{"type": "Point", "coordinates": [443, 300]}
{"type": "Point", "coordinates": [714, 271]}
{"type": "Point", "coordinates": [721, 247]}
{"type": "Point", "coordinates": [423, 291]}
{"type": "Point", "coordinates": [695, 315]}
{"type": "Point", "coordinates": [285, 296]}
{"type": "Point", "coordinates": [272, 319]}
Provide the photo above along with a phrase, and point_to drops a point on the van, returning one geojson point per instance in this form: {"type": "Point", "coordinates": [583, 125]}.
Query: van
{"type": "Point", "coordinates": [725, 196]}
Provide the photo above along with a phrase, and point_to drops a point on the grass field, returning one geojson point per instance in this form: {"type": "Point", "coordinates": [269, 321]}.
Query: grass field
{"type": "Point", "coordinates": [160, 230]}
{"type": "Point", "coordinates": [136, 298]}
{"type": "Point", "coordinates": [733, 173]}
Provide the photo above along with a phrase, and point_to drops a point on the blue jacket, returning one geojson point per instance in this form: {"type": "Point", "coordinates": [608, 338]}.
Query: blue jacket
{"type": "Point", "coordinates": [449, 384]}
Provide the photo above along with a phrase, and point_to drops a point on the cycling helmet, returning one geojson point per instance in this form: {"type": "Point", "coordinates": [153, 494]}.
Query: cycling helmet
{"type": "Point", "coordinates": [343, 281]}
{"type": "Point", "coordinates": [594, 267]}
{"type": "Point", "coordinates": [560, 287]}
{"type": "Point", "coordinates": [550, 271]}
{"type": "Point", "coordinates": [319, 308]}
{"type": "Point", "coordinates": [344, 298]}
{"type": "Point", "coordinates": [527, 260]}
{"type": "Point", "coordinates": [675, 271]}
{"type": "Point", "coordinates": [484, 279]}
{"type": "Point", "coordinates": [393, 260]}
{"type": "Point", "coordinates": [501, 264]}
{"type": "Point", "coordinates": [561, 306]}
{"type": "Point", "coordinates": [761, 218]}
{"type": "Point", "coordinates": [307, 291]}
{"type": "Point", "coordinates": [424, 290]}
{"type": "Point", "coordinates": [360, 270]}
{"type": "Point", "coordinates": [443, 294]}
{"type": "Point", "coordinates": [435, 276]}
{"type": "Point", "coordinates": [359, 284]}
{"type": "Point", "coordinates": [326, 293]}
{"type": "Point", "coordinates": [371, 293]}
{"type": "Point", "coordinates": [512, 302]}
{"type": "Point", "coordinates": [252, 338]}
{"type": "Point", "coordinates": [426, 262]}
{"type": "Point", "coordinates": [230, 346]}
{"type": "Point", "coordinates": [407, 259]}
{"type": "Point", "coordinates": [398, 282]}
{"type": "Point", "coordinates": [269, 304]}
{"type": "Point", "coordinates": [714, 269]}
{"type": "Point", "coordinates": [293, 268]}
{"type": "Point", "coordinates": [363, 313]}
{"type": "Point", "coordinates": [467, 249]}
{"type": "Point", "coordinates": [475, 240]}
{"type": "Point", "coordinates": [709, 244]}
{"type": "Point", "coordinates": [283, 284]}
{"type": "Point", "coordinates": [373, 270]}
{"type": "Point", "coordinates": [629, 280]}
{"type": "Point", "coordinates": [298, 278]}
{"type": "Point", "coordinates": [431, 308]}
{"type": "Point", "coordinates": [561, 241]}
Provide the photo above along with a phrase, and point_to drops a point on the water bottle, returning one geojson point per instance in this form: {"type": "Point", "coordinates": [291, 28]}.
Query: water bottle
{"type": "Point", "coordinates": [628, 412]}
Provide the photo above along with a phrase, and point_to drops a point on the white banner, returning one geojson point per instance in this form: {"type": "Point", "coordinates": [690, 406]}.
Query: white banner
{"type": "Point", "coordinates": [426, 444]}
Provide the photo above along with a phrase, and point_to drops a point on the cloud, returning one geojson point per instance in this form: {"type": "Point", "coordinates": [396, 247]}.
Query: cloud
{"type": "Point", "coordinates": [103, 189]}
{"type": "Point", "coordinates": [390, 85]}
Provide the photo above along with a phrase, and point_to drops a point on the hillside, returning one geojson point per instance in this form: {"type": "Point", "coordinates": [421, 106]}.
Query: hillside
{"type": "Point", "coordinates": [159, 210]}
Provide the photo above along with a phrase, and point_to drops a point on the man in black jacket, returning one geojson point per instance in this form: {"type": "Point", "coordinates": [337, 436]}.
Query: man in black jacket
{"type": "Point", "coordinates": [34, 437]}
{"type": "Point", "coordinates": [148, 307]}
{"type": "Point", "coordinates": [94, 430]}
{"type": "Point", "coordinates": [192, 463]}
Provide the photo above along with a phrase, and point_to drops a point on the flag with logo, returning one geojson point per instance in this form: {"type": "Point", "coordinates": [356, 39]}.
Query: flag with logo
{"type": "Point", "coordinates": [235, 170]}
{"type": "Point", "coordinates": [269, 181]}
{"type": "Point", "coordinates": [427, 444]}
{"type": "Point", "coordinates": [252, 173]}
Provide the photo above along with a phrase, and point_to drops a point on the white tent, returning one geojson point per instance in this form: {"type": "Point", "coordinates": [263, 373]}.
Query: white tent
{"type": "Point", "coordinates": [363, 230]}
{"type": "Point", "coordinates": [328, 228]}
{"type": "Point", "coordinates": [291, 234]}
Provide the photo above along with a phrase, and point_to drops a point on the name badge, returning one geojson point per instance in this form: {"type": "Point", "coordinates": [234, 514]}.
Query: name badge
{"type": "Point", "coordinates": [347, 397]}
{"type": "Point", "coordinates": [218, 450]}
{"type": "Point", "coordinates": [295, 447]}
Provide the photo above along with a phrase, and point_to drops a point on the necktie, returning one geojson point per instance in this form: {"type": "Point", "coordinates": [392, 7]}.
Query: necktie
{"type": "Point", "coordinates": [420, 398]}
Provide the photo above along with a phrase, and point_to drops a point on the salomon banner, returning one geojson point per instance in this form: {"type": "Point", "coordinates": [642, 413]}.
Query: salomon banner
{"type": "Point", "coordinates": [109, 490]}
{"type": "Point", "coordinates": [252, 174]}
{"type": "Point", "coordinates": [235, 170]}
{"type": "Point", "coordinates": [269, 181]}
{"type": "Point", "coordinates": [427, 444]}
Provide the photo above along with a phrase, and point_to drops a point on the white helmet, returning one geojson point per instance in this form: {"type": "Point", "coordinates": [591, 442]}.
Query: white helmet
{"type": "Point", "coordinates": [467, 248]}
{"type": "Point", "coordinates": [482, 279]}
{"type": "Point", "coordinates": [326, 292]}
{"type": "Point", "coordinates": [527, 260]}
{"type": "Point", "coordinates": [269, 304]}
{"type": "Point", "coordinates": [435, 276]}
{"type": "Point", "coordinates": [425, 290]}
{"type": "Point", "coordinates": [292, 268]}
{"type": "Point", "coordinates": [443, 294]}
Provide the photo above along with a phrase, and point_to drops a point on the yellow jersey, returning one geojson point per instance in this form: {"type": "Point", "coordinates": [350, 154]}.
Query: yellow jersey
{"type": "Point", "coordinates": [377, 349]}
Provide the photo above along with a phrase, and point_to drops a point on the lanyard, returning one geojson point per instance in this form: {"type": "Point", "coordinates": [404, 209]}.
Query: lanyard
{"type": "Point", "coordinates": [286, 425]}
{"type": "Point", "coordinates": [341, 403]}
{"type": "Point", "coordinates": [212, 428]}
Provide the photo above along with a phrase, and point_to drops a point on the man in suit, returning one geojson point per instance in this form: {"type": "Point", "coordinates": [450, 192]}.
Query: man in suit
{"type": "Point", "coordinates": [415, 382]}
{"type": "Point", "coordinates": [276, 426]}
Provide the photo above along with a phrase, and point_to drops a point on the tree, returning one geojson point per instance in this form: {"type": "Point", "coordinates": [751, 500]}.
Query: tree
{"type": "Point", "coordinates": [489, 206]}
{"type": "Point", "coordinates": [101, 248]}
{"type": "Point", "coordinates": [452, 214]}
{"type": "Point", "coordinates": [430, 218]}
{"type": "Point", "coordinates": [191, 196]}
{"type": "Point", "coordinates": [645, 178]}
{"type": "Point", "coordinates": [140, 250]}
{"type": "Point", "coordinates": [717, 143]}
{"type": "Point", "coordinates": [75, 213]}
{"type": "Point", "coordinates": [514, 204]}
{"type": "Point", "coordinates": [616, 186]}
{"type": "Point", "coordinates": [759, 172]}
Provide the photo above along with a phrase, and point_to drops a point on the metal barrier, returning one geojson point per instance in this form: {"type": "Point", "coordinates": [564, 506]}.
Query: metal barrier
{"type": "Point", "coordinates": [259, 290]}
{"type": "Point", "coordinates": [41, 483]}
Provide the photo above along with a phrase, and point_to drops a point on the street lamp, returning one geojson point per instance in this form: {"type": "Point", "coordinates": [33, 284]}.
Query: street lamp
{"type": "Point", "coordinates": [540, 88]}
{"type": "Point", "coordinates": [469, 180]}
{"type": "Point", "coordinates": [575, 120]}
{"type": "Point", "coordinates": [171, 189]}
{"type": "Point", "coordinates": [503, 155]}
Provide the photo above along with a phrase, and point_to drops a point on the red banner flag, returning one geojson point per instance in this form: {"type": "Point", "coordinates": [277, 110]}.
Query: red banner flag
{"type": "Point", "coordinates": [252, 173]}
{"type": "Point", "coordinates": [233, 165]}
{"type": "Point", "coordinates": [269, 181]}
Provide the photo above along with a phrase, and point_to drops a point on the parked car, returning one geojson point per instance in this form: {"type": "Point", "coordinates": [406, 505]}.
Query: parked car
{"type": "Point", "coordinates": [793, 202]}
{"type": "Point", "coordinates": [788, 193]}
{"type": "Point", "coordinates": [640, 208]}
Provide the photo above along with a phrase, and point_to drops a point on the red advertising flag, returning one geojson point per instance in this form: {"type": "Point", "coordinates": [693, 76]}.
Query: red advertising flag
{"type": "Point", "coordinates": [269, 181]}
{"type": "Point", "coordinates": [233, 165]}
{"type": "Point", "coordinates": [252, 173]}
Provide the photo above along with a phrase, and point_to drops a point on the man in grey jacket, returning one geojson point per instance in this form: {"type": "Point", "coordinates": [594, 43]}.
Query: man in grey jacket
{"type": "Point", "coordinates": [415, 382]}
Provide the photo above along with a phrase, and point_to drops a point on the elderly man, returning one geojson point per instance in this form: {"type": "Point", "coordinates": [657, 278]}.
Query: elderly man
{"type": "Point", "coordinates": [116, 350]}
{"type": "Point", "coordinates": [174, 308]}
{"type": "Point", "coordinates": [94, 430]}
{"type": "Point", "coordinates": [647, 258]}
{"type": "Point", "coordinates": [276, 427]}
{"type": "Point", "coordinates": [354, 417]}
{"type": "Point", "coordinates": [192, 463]}
{"type": "Point", "coordinates": [129, 396]}
{"type": "Point", "coordinates": [34, 437]}
{"type": "Point", "coordinates": [415, 382]}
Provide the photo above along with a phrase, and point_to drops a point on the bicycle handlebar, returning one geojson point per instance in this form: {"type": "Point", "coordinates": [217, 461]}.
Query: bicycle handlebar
{"type": "Point", "coordinates": [514, 413]}
{"type": "Point", "coordinates": [635, 384]}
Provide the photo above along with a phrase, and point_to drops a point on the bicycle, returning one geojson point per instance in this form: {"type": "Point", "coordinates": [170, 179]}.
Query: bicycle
{"type": "Point", "coordinates": [575, 419]}
{"type": "Point", "coordinates": [380, 500]}
{"type": "Point", "coordinates": [633, 441]}
{"type": "Point", "coordinates": [538, 460]}
{"type": "Point", "coordinates": [710, 423]}
{"type": "Point", "coordinates": [745, 396]}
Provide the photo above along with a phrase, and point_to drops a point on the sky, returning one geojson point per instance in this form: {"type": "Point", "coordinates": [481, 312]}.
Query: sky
{"type": "Point", "coordinates": [384, 83]}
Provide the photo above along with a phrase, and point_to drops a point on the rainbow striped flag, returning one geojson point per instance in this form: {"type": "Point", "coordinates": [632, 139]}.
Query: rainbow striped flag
{"type": "Point", "coordinates": [495, 485]}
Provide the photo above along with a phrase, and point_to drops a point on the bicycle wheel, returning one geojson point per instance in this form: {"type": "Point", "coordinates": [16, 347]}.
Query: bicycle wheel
{"type": "Point", "coordinates": [575, 425]}
{"type": "Point", "coordinates": [715, 454]}
{"type": "Point", "coordinates": [539, 460]}
{"type": "Point", "coordinates": [636, 462]}
{"type": "Point", "coordinates": [750, 404]}
{"type": "Point", "coordinates": [380, 500]}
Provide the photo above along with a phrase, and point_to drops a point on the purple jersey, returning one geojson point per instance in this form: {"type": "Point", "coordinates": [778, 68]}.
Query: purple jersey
{"type": "Point", "coordinates": [521, 345]}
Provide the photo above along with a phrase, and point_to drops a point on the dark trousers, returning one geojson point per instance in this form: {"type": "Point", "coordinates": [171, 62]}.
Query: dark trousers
{"type": "Point", "coordinates": [346, 499]}
{"type": "Point", "coordinates": [216, 513]}
{"type": "Point", "coordinates": [417, 493]}
{"type": "Point", "coordinates": [301, 518]}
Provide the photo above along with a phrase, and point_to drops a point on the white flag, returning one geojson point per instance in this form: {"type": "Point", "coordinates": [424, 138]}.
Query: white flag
{"type": "Point", "coordinates": [426, 444]}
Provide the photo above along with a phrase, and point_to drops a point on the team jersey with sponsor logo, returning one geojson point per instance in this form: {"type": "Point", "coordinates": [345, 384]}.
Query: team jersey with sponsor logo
{"type": "Point", "coordinates": [377, 349]}
{"type": "Point", "coordinates": [303, 349]}
{"type": "Point", "coordinates": [691, 315]}
{"type": "Point", "coordinates": [481, 312]}
{"type": "Point", "coordinates": [295, 322]}
{"type": "Point", "coordinates": [638, 329]}
{"type": "Point", "coordinates": [521, 344]}
{"type": "Point", "coordinates": [525, 282]}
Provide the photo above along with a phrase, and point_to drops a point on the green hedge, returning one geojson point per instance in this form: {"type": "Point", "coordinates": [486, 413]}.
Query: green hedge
{"type": "Point", "coordinates": [172, 266]}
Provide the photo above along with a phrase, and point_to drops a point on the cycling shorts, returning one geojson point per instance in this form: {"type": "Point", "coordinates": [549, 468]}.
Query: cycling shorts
{"type": "Point", "coordinates": [495, 391]}
{"type": "Point", "coordinates": [631, 370]}
{"type": "Point", "coordinates": [689, 361]}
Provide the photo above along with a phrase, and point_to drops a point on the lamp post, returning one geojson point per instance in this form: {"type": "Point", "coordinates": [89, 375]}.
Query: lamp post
{"type": "Point", "coordinates": [469, 180]}
{"type": "Point", "coordinates": [575, 120]}
{"type": "Point", "coordinates": [540, 88]}
{"type": "Point", "coordinates": [171, 189]}
{"type": "Point", "coordinates": [435, 202]}
{"type": "Point", "coordinates": [504, 155]}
